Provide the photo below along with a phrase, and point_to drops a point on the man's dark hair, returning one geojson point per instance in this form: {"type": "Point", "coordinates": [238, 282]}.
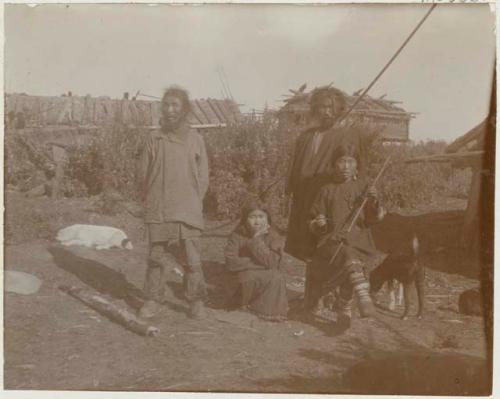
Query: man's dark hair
{"type": "Point", "coordinates": [332, 93]}
{"type": "Point", "coordinates": [346, 149]}
{"type": "Point", "coordinates": [181, 94]}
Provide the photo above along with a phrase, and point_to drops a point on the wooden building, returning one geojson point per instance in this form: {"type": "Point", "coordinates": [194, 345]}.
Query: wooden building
{"type": "Point", "coordinates": [471, 151]}
{"type": "Point", "coordinates": [40, 111]}
{"type": "Point", "coordinates": [391, 121]}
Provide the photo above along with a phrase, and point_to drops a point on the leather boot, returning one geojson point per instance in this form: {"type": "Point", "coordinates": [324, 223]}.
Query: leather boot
{"type": "Point", "coordinates": [197, 310]}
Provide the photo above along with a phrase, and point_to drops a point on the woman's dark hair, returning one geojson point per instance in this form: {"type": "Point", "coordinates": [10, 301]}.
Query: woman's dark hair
{"type": "Point", "coordinates": [181, 94]}
{"type": "Point", "coordinates": [332, 93]}
{"type": "Point", "coordinates": [250, 205]}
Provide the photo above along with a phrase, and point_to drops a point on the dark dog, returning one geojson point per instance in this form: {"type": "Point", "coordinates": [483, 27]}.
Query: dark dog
{"type": "Point", "coordinates": [406, 269]}
{"type": "Point", "coordinates": [470, 302]}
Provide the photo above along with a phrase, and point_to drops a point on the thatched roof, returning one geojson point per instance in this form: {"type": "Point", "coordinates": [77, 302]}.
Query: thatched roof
{"type": "Point", "coordinates": [369, 105]}
{"type": "Point", "coordinates": [391, 120]}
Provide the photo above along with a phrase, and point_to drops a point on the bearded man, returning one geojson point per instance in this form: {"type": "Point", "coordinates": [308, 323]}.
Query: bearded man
{"type": "Point", "coordinates": [173, 178]}
{"type": "Point", "coordinates": [312, 167]}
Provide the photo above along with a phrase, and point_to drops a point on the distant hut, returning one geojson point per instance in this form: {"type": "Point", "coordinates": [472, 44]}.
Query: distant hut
{"type": "Point", "coordinates": [391, 121]}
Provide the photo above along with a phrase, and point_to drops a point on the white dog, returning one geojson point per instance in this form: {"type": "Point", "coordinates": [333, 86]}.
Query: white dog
{"type": "Point", "coordinates": [100, 237]}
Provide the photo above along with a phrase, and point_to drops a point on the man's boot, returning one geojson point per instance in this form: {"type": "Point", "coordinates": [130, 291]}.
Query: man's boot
{"type": "Point", "coordinates": [197, 310]}
{"type": "Point", "coordinates": [149, 309]}
{"type": "Point", "coordinates": [343, 310]}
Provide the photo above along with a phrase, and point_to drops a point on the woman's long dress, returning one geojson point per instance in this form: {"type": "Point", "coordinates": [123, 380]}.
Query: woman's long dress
{"type": "Point", "coordinates": [258, 284]}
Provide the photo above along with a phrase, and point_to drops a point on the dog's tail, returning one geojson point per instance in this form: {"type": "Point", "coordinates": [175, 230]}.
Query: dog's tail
{"type": "Point", "coordinates": [415, 246]}
{"type": "Point", "coordinates": [420, 274]}
{"type": "Point", "coordinates": [414, 252]}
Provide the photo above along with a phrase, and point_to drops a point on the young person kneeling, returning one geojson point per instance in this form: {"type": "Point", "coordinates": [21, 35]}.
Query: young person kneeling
{"type": "Point", "coordinates": [330, 216]}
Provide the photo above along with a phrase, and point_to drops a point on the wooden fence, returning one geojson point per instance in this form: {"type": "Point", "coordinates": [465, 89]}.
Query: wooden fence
{"type": "Point", "coordinates": [91, 111]}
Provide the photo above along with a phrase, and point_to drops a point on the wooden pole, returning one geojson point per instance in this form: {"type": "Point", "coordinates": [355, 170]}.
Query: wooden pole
{"type": "Point", "coordinates": [111, 311]}
{"type": "Point", "coordinates": [447, 157]}
{"type": "Point", "coordinates": [390, 61]}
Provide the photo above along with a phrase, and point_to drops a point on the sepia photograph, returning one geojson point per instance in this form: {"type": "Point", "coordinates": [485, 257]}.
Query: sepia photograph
{"type": "Point", "coordinates": [249, 198]}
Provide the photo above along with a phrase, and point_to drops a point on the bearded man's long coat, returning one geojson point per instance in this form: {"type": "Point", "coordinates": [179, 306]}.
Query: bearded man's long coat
{"type": "Point", "coordinates": [309, 171]}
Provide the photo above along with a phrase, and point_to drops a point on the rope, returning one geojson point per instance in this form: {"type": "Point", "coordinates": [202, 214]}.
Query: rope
{"type": "Point", "coordinates": [390, 61]}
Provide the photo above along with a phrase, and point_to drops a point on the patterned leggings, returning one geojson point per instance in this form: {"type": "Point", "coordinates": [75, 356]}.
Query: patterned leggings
{"type": "Point", "coordinates": [355, 284]}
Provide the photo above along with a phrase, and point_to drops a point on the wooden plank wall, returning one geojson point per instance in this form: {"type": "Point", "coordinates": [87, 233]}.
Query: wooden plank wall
{"type": "Point", "coordinates": [48, 111]}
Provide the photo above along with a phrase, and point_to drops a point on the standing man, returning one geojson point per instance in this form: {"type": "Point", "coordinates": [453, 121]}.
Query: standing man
{"type": "Point", "coordinates": [311, 167]}
{"type": "Point", "coordinates": [173, 178]}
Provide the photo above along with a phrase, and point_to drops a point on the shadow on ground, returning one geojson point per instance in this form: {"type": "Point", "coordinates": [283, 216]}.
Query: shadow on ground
{"type": "Point", "coordinates": [419, 374]}
{"type": "Point", "coordinates": [424, 373]}
{"type": "Point", "coordinates": [416, 370]}
{"type": "Point", "coordinates": [98, 276]}
{"type": "Point", "coordinates": [110, 282]}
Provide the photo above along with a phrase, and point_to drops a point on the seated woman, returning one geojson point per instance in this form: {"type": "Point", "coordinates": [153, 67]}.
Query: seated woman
{"type": "Point", "coordinates": [253, 257]}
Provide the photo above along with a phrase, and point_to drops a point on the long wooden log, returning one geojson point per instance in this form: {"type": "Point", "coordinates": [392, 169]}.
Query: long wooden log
{"type": "Point", "coordinates": [474, 134]}
{"type": "Point", "coordinates": [447, 157]}
{"type": "Point", "coordinates": [111, 311]}
{"type": "Point", "coordinates": [193, 126]}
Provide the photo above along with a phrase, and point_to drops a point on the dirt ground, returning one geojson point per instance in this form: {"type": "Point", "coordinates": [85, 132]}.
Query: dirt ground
{"type": "Point", "coordinates": [53, 341]}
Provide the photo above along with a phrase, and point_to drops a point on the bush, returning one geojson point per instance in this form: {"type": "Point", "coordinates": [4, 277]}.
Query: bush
{"type": "Point", "coordinates": [107, 162]}
{"type": "Point", "coordinates": [248, 158]}
{"type": "Point", "coordinates": [411, 185]}
{"type": "Point", "coordinates": [85, 166]}
{"type": "Point", "coordinates": [20, 168]}
{"type": "Point", "coordinates": [253, 157]}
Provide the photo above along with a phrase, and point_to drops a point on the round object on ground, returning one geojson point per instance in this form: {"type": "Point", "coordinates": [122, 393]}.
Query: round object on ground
{"type": "Point", "coordinates": [21, 283]}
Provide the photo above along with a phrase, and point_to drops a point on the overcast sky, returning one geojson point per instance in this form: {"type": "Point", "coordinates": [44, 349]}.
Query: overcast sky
{"type": "Point", "coordinates": [444, 73]}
